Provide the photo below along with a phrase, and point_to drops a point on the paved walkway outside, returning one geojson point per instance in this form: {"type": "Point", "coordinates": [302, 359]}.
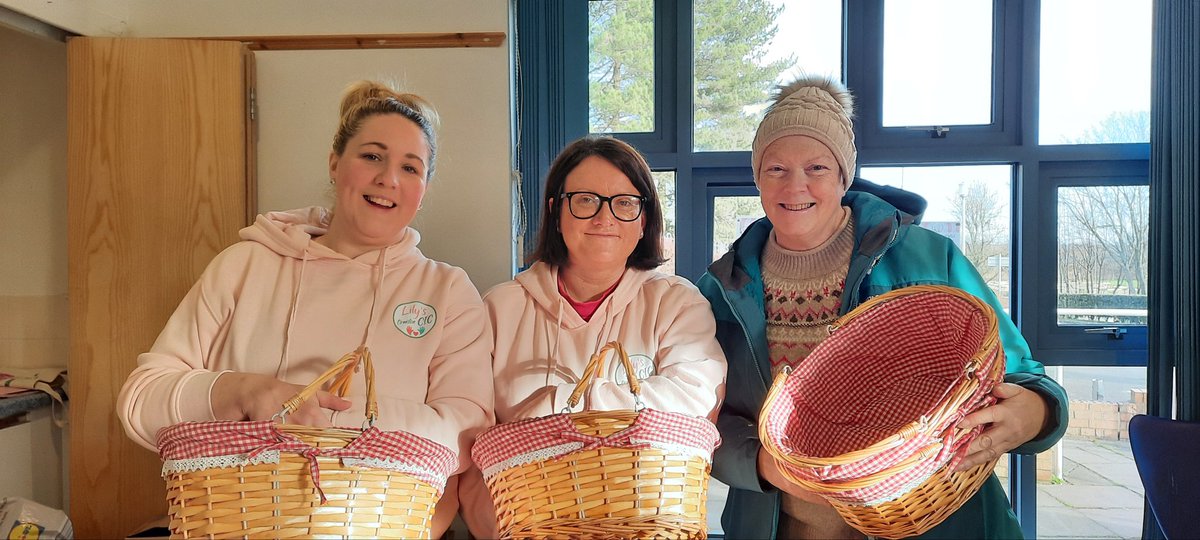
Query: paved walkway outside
{"type": "Point", "coordinates": [1100, 495]}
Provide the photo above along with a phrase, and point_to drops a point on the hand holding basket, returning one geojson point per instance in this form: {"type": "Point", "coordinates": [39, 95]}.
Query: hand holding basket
{"type": "Point", "coordinates": [267, 479]}
{"type": "Point", "coordinates": [868, 420]}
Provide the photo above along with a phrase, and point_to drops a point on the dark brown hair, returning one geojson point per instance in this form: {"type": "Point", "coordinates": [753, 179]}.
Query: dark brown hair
{"type": "Point", "coordinates": [551, 248]}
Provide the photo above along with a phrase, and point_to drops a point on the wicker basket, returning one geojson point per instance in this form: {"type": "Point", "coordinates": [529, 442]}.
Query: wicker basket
{"type": "Point", "coordinates": [599, 474]}
{"type": "Point", "coordinates": [268, 479]}
{"type": "Point", "coordinates": [868, 419]}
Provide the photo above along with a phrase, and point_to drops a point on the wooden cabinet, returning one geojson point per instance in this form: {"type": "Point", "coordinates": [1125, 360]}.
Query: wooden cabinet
{"type": "Point", "coordinates": [160, 179]}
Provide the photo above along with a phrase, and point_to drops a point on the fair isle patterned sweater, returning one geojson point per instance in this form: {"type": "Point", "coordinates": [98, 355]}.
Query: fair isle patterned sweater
{"type": "Point", "coordinates": [803, 292]}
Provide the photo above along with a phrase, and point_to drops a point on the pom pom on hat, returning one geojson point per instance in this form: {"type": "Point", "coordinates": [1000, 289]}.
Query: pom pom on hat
{"type": "Point", "coordinates": [819, 107]}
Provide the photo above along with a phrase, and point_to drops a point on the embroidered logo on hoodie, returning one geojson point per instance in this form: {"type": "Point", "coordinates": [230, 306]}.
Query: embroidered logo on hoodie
{"type": "Point", "coordinates": [414, 319]}
{"type": "Point", "coordinates": [643, 368]}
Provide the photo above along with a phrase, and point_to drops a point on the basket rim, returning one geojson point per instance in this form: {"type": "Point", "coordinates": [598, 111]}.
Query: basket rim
{"type": "Point", "coordinates": [896, 459]}
{"type": "Point", "coordinates": [513, 444]}
{"type": "Point", "coordinates": [191, 447]}
{"type": "Point", "coordinates": [986, 362]}
{"type": "Point", "coordinates": [934, 420]}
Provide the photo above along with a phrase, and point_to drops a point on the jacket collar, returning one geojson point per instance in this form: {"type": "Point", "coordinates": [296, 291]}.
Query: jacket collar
{"type": "Point", "coordinates": [875, 222]}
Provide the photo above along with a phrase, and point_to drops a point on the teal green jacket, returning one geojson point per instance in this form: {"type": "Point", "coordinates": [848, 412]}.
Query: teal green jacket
{"type": "Point", "coordinates": [890, 252]}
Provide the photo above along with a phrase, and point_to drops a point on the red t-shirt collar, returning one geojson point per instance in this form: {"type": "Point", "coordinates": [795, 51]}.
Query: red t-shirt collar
{"type": "Point", "coordinates": [585, 309]}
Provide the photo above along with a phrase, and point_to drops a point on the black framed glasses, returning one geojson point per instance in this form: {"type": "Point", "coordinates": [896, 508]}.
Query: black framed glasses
{"type": "Point", "coordinates": [585, 205]}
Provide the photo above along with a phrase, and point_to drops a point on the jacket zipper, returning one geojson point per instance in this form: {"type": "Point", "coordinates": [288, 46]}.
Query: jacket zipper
{"type": "Point", "coordinates": [874, 261]}
{"type": "Point", "coordinates": [745, 333]}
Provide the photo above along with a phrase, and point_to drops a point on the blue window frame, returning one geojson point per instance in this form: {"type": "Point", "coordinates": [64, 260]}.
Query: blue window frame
{"type": "Point", "coordinates": [1071, 344]}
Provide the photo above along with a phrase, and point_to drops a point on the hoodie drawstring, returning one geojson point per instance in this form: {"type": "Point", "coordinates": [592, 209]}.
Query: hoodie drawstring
{"type": "Point", "coordinates": [601, 339]}
{"type": "Point", "coordinates": [287, 333]}
{"type": "Point", "coordinates": [375, 295]}
{"type": "Point", "coordinates": [552, 361]}
{"type": "Point", "coordinates": [281, 371]}
{"type": "Point", "coordinates": [382, 267]}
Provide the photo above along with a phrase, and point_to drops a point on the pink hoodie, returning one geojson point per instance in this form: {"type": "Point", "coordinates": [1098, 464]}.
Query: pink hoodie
{"type": "Point", "coordinates": [279, 303]}
{"type": "Point", "coordinates": [542, 346]}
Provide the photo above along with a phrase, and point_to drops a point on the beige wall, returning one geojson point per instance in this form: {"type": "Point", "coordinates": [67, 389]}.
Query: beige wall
{"type": "Point", "coordinates": [33, 267]}
{"type": "Point", "coordinates": [283, 17]}
{"type": "Point", "coordinates": [33, 202]}
{"type": "Point", "coordinates": [161, 18]}
{"type": "Point", "coordinates": [467, 216]}
{"type": "Point", "coordinates": [83, 17]}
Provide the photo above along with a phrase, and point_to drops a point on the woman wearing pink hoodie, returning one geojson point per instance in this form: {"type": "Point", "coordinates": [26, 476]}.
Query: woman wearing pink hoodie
{"type": "Point", "coordinates": [594, 282]}
{"type": "Point", "coordinates": [303, 288]}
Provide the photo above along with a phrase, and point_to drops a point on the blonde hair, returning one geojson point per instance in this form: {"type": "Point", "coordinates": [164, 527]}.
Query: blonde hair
{"type": "Point", "coordinates": [364, 99]}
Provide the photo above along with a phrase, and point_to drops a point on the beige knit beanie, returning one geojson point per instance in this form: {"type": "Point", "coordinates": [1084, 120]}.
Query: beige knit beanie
{"type": "Point", "coordinates": [816, 106]}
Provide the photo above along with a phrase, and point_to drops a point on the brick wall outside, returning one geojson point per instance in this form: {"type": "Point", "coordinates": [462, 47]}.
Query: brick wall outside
{"type": "Point", "coordinates": [1088, 420]}
{"type": "Point", "coordinates": [1104, 419]}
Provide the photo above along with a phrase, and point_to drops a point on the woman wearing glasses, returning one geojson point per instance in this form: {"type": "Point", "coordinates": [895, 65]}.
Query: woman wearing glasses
{"type": "Point", "coordinates": [595, 282]}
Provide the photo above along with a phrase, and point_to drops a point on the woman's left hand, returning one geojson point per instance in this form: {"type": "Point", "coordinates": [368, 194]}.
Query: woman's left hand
{"type": "Point", "coordinates": [1017, 417]}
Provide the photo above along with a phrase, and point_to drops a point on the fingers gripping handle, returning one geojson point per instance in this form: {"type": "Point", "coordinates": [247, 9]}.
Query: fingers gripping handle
{"type": "Point", "coordinates": [341, 371]}
{"type": "Point", "coordinates": [595, 367]}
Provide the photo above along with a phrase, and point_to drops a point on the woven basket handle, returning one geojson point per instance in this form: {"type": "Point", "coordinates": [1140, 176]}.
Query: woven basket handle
{"type": "Point", "coordinates": [595, 366]}
{"type": "Point", "coordinates": [343, 369]}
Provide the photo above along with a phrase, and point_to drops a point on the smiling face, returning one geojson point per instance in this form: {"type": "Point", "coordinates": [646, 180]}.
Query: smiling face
{"type": "Point", "coordinates": [379, 181]}
{"type": "Point", "coordinates": [800, 186]}
{"type": "Point", "coordinates": [601, 241]}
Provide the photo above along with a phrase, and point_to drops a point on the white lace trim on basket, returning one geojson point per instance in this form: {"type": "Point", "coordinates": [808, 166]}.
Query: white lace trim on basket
{"type": "Point", "coordinates": [541, 454]}
{"type": "Point", "coordinates": [899, 492]}
{"type": "Point", "coordinates": [551, 452]}
{"type": "Point", "coordinates": [176, 466]}
{"type": "Point", "coordinates": [679, 449]}
{"type": "Point", "coordinates": [437, 480]}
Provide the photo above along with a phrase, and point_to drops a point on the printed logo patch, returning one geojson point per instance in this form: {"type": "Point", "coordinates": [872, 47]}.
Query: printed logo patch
{"type": "Point", "coordinates": [414, 319]}
{"type": "Point", "coordinates": [643, 368]}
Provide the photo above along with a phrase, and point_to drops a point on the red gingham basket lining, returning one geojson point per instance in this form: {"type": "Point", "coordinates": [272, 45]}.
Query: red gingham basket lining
{"type": "Point", "coordinates": [863, 359]}
{"type": "Point", "coordinates": [784, 426]}
{"type": "Point", "coordinates": [504, 441]}
{"type": "Point", "coordinates": [191, 440]}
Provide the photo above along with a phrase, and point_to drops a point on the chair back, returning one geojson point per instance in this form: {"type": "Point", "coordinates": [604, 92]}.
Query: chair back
{"type": "Point", "coordinates": [1165, 452]}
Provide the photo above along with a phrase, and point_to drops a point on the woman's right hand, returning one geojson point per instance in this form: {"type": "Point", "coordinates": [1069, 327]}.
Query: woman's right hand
{"type": "Point", "coordinates": [251, 396]}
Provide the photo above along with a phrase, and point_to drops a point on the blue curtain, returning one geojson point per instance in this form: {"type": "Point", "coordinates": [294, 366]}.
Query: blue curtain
{"type": "Point", "coordinates": [1174, 300]}
{"type": "Point", "coordinates": [551, 79]}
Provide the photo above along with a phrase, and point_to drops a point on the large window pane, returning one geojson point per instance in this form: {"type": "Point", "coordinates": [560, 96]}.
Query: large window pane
{"type": "Point", "coordinates": [968, 204]}
{"type": "Point", "coordinates": [744, 50]}
{"type": "Point", "coordinates": [937, 62]}
{"type": "Point", "coordinates": [731, 216]}
{"type": "Point", "coordinates": [621, 66]}
{"type": "Point", "coordinates": [1095, 72]}
{"type": "Point", "coordinates": [664, 183]}
{"type": "Point", "coordinates": [1103, 245]}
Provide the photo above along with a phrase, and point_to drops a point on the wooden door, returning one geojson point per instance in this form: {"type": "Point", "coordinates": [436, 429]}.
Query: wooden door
{"type": "Point", "coordinates": [160, 179]}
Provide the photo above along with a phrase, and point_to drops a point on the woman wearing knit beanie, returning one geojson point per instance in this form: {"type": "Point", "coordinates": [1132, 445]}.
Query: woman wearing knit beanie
{"type": "Point", "coordinates": [829, 242]}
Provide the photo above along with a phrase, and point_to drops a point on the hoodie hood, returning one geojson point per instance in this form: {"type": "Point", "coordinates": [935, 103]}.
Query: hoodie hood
{"type": "Point", "coordinates": [540, 281]}
{"type": "Point", "coordinates": [290, 233]}
{"type": "Point", "coordinates": [905, 201]}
